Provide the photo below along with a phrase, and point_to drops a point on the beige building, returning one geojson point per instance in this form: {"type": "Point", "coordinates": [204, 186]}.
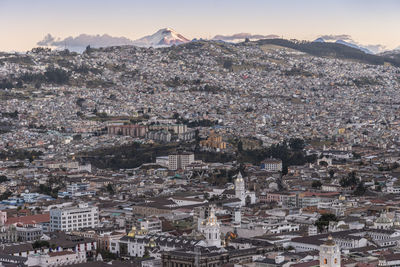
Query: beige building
{"type": "Point", "coordinates": [179, 161]}
{"type": "Point", "coordinates": [214, 141]}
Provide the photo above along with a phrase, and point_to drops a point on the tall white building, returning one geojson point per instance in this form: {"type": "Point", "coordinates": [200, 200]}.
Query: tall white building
{"type": "Point", "coordinates": [180, 160]}
{"type": "Point", "coordinates": [74, 218]}
{"type": "Point", "coordinates": [329, 254]}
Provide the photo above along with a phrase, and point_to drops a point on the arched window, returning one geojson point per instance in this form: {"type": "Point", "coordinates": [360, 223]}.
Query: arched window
{"type": "Point", "coordinates": [325, 261]}
{"type": "Point", "coordinates": [335, 261]}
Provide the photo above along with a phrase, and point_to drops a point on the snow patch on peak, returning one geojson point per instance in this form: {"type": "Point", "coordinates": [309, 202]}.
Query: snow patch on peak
{"type": "Point", "coordinates": [163, 37]}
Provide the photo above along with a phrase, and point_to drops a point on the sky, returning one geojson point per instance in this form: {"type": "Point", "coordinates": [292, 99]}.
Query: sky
{"type": "Point", "coordinates": [25, 22]}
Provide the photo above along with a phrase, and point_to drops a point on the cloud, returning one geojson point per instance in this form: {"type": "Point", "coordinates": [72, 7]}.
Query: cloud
{"type": "Point", "coordinates": [244, 36]}
{"type": "Point", "coordinates": [84, 40]}
{"type": "Point", "coordinates": [47, 40]}
{"type": "Point", "coordinates": [374, 48]}
{"type": "Point", "coordinates": [378, 48]}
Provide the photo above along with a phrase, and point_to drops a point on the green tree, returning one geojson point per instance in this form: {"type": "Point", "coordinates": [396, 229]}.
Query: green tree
{"type": "Point", "coordinates": [240, 146]}
{"type": "Point", "coordinates": [296, 144]}
{"type": "Point", "coordinates": [110, 189]}
{"type": "Point", "coordinates": [316, 184]}
{"type": "Point", "coordinates": [331, 173]}
{"type": "Point", "coordinates": [248, 200]}
{"type": "Point", "coordinates": [55, 75]}
{"type": "Point", "coordinates": [3, 179]}
{"type": "Point", "coordinates": [5, 195]}
{"type": "Point", "coordinates": [360, 189]}
{"type": "Point", "coordinates": [323, 222]}
{"type": "Point", "coordinates": [40, 244]}
{"type": "Point", "coordinates": [88, 50]}
{"type": "Point", "coordinates": [350, 180]}
{"type": "Point", "coordinates": [228, 64]}
{"type": "Point", "coordinates": [323, 163]}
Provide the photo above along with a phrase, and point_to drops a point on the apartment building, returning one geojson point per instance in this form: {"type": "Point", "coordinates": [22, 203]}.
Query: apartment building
{"type": "Point", "coordinates": [180, 160]}
{"type": "Point", "coordinates": [74, 218]}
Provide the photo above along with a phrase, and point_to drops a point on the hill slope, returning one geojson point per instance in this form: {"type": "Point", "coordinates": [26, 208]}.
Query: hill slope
{"type": "Point", "coordinates": [335, 50]}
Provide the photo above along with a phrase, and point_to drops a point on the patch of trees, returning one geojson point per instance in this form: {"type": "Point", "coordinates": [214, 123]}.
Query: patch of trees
{"type": "Point", "coordinates": [316, 184]}
{"type": "Point", "coordinates": [29, 77]}
{"type": "Point", "coordinates": [175, 82]}
{"type": "Point", "coordinates": [52, 187]}
{"type": "Point", "coordinates": [292, 154]}
{"type": "Point", "coordinates": [201, 123]}
{"type": "Point", "coordinates": [209, 156]}
{"type": "Point", "coordinates": [80, 101]}
{"type": "Point", "coordinates": [295, 71]}
{"type": "Point", "coordinates": [3, 179]}
{"type": "Point", "coordinates": [12, 115]}
{"type": "Point", "coordinates": [129, 156]}
{"type": "Point", "coordinates": [228, 64]}
{"type": "Point", "coordinates": [360, 189]}
{"type": "Point", "coordinates": [51, 75]}
{"type": "Point", "coordinates": [99, 83]}
{"type": "Point", "coordinates": [296, 144]}
{"type": "Point", "coordinates": [323, 222]}
{"type": "Point", "coordinates": [6, 84]}
{"type": "Point", "coordinates": [65, 63]}
{"type": "Point", "coordinates": [41, 244]}
{"type": "Point", "coordinates": [349, 181]}
{"type": "Point", "coordinates": [55, 75]}
{"type": "Point", "coordinates": [362, 81]}
{"type": "Point", "coordinates": [110, 189]}
{"type": "Point", "coordinates": [196, 123]}
{"type": "Point", "coordinates": [389, 167]}
{"type": "Point", "coordinates": [84, 69]}
{"type": "Point", "coordinates": [20, 154]}
{"type": "Point", "coordinates": [5, 195]}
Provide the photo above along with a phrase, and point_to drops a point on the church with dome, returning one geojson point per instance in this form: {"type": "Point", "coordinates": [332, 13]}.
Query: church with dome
{"type": "Point", "coordinates": [211, 230]}
{"type": "Point", "coordinates": [383, 222]}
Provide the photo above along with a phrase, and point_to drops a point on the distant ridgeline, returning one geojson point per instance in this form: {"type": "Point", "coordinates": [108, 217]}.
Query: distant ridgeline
{"type": "Point", "coordinates": [332, 50]}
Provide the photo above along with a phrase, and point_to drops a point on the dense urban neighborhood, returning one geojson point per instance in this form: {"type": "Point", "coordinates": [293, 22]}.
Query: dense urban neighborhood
{"type": "Point", "coordinates": [204, 154]}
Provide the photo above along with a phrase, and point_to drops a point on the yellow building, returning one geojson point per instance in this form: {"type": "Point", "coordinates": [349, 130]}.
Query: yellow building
{"type": "Point", "coordinates": [213, 141]}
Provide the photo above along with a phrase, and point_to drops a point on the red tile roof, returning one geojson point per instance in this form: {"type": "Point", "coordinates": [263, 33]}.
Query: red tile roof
{"type": "Point", "coordinates": [32, 219]}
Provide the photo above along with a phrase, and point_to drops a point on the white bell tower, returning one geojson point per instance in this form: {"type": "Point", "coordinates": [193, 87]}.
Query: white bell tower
{"type": "Point", "coordinates": [329, 254]}
{"type": "Point", "coordinates": [240, 190]}
{"type": "Point", "coordinates": [212, 231]}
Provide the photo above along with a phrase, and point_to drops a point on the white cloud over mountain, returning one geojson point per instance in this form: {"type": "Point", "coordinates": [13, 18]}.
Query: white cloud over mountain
{"type": "Point", "coordinates": [84, 40]}
{"type": "Point", "coordinates": [374, 48]}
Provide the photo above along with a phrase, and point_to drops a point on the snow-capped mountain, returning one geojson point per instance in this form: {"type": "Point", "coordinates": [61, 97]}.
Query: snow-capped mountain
{"type": "Point", "coordinates": [319, 40]}
{"type": "Point", "coordinates": [163, 37]}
